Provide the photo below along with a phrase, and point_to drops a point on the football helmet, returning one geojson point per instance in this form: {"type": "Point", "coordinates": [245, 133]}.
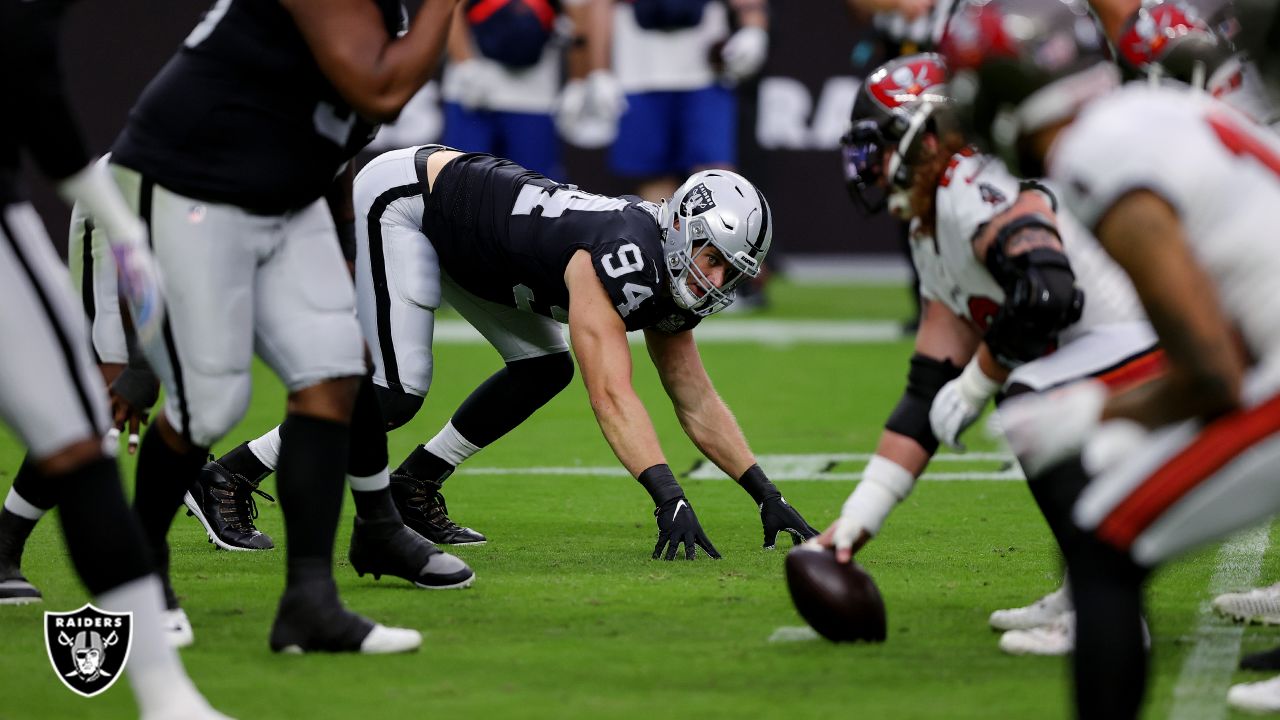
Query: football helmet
{"type": "Point", "coordinates": [1169, 38]}
{"type": "Point", "coordinates": [713, 208]}
{"type": "Point", "coordinates": [1022, 65]}
{"type": "Point", "coordinates": [891, 111]}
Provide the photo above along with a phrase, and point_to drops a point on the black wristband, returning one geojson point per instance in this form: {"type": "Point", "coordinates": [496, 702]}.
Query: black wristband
{"type": "Point", "coordinates": [758, 486]}
{"type": "Point", "coordinates": [347, 240]}
{"type": "Point", "coordinates": [661, 484]}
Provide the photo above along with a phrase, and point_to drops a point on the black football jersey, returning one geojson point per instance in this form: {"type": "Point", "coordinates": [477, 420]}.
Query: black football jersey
{"type": "Point", "coordinates": [37, 115]}
{"type": "Point", "coordinates": [242, 114]}
{"type": "Point", "coordinates": [506, 234]}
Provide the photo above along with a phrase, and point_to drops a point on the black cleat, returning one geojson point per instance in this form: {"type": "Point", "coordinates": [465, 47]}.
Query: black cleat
{"type": "Point", "coordinates": [1269, 660]}
{"type": "Point", "coordinates": [394, 549]}
{"type": "Point", "coordinates": [14, 588]}
{"type": "Point", "coordinates": [223, 503]}
{"type": "Point", "coordinates": [311, 618]}
{"type": "Point", "coordinates": [422, 507]}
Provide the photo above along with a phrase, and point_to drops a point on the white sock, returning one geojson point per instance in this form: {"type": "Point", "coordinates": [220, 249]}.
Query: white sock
{"type": "Point", "coordinates": [377, 481]}
{"type": "Point", "coordinates": [450, 446]}
{"type": "Point", "coordinates": [154, 670]}
{"type": "Point", "coordinates": [19, 506]}
{"type": "Point", "coordinates": [267, 448]}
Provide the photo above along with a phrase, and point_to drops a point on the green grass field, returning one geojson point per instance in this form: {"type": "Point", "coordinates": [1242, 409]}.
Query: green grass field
{"type": "Point", "coordinates": [570, 618]}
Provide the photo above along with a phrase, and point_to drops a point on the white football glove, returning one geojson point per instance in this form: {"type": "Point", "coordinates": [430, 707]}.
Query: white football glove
{"type": "Point", "coordinates": [884, 484]}
{"type": "Point", "coordinates": [959, 403]}
{"type": "Point", "coordinates": [1045, 429]}
{"type": "Point", "coordinates": [744, 53]}
{"type": "Point", "coordinates": [588, 111]}
{"type": "Point", "coordinates": [470, 82]}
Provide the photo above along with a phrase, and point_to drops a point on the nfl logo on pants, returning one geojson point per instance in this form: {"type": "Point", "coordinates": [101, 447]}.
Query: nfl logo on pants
{"type": "Point", "coordinates": [88, 647]}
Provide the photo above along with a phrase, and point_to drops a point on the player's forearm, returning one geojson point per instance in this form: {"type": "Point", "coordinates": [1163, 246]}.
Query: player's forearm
{"type": "Point", "coordinates": [627, 428]}
{"type": "Point", "coordinates": [714, 430]}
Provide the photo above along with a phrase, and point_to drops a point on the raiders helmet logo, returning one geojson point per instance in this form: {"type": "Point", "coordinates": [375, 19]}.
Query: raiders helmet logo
{"type": "Point", "coordinates": [697, 201]}
{"type": "Point", "coordinates": [88, 648]}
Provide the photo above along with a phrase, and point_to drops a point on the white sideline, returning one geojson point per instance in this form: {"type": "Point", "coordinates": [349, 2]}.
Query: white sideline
{"type": "Point", "coordinates": [1201, 690]}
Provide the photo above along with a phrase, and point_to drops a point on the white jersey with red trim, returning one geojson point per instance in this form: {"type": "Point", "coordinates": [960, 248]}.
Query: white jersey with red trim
{"type": "Point", "coordinates": [974, 189]}
{"type": "Point", "coordinates": [1219, 171]}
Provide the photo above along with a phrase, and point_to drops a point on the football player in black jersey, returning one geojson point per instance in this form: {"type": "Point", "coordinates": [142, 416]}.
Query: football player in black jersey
{"type": "Point", "coordinates": [517, 255]}
{"type": "Point", "coordinates": [227, 155]}
{"type": "Point", "coordinates": [50, 393]}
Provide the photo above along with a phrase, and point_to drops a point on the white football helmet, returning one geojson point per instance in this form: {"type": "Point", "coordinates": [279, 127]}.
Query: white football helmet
{"type": "Point", "coordinates": [719, 208]}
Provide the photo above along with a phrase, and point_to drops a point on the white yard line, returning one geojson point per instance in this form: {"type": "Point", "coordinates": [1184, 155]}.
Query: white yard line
{"type": "Point", "coordinates": [1201, 691]}
{"type": "Point", "coordinates": [809, 468]}
{"type": "Point", "coordinates": [730, 330]}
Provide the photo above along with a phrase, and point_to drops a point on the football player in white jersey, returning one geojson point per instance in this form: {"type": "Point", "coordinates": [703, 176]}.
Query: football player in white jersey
{"type": "Point", "coordinates": [1000, 293]}
{"type": "Point", "coordinates": [1180, 190]}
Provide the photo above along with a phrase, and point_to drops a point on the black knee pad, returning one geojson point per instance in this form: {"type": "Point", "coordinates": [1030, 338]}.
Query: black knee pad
{"type": "Point", "coordinates": [398, 408]}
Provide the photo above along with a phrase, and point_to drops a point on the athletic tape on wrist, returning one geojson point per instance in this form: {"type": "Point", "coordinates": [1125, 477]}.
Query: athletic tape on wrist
{"type": "Point", "coordinates": [884, 485]}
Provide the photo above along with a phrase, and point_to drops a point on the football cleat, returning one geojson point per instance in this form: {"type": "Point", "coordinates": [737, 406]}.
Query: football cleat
{"type": "Point", "coordinates": [1256, 697]}
{"type": "Point", "coordinates": [380, 550]}
{"type": "Point", "coordinates": [422, 507]}
{"type": "Point", "coordinates": [311, 618]}
{"type": "Point", "coordinates": [14, 588]}
{"type": "Point", "coordinates": [1042, 612]}
{"type": "Point", "coordinates": [223, 503]}
{"type": "Point", "coordinates": [1260, 605]}
{"type": "Point", "coordinates": [1052, 640]}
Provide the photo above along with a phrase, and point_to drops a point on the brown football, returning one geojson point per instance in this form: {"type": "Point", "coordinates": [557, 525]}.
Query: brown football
{"type": "Point", "coordinates": [840, 601]}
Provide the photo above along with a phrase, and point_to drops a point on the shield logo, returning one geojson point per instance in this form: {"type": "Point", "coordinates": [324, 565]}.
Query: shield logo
{"type": "Point", "coordinates": [88, 648]}
{"type": "Point", "coordinates": [697, 201]}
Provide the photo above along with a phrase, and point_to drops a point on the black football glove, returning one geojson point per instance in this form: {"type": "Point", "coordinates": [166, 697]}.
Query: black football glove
{"type": "Point", "coordinates": [678, 524]}
{"type": "Point", "coordinates": [777, 516]}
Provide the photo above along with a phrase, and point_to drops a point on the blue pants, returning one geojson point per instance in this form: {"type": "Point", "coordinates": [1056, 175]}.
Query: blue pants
{"type": "Point", "coordinates": [670, 133]}
{"type": "Point", "coordinates": [528, 139]}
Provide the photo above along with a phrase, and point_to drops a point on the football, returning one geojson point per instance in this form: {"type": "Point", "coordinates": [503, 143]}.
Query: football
{"type": "Point", "coordinates": [840, 601]}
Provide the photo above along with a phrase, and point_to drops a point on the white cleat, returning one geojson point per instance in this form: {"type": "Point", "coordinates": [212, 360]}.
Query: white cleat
{"type": "Point", "coordinates": [192, 708]}
{"type": "Point", "coordinates": [1256, 697]}
{"type": "Point", "coordinates": [1260, 605]}
{"type": "Point", "coordinates": [1044, 611]}
{"type": "Point", "coordinates": [383, 640]}
{"type": "Point", "coordinates": [1056, 639]}
{"type": "Point", "coordinates": [177, 628]}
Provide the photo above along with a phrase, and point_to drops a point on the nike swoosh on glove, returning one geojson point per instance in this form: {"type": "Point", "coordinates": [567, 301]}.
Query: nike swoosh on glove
{"type": "Point", "coordinates": [678, 524]}
{"type": "Point", "coordinates": [778, 516]}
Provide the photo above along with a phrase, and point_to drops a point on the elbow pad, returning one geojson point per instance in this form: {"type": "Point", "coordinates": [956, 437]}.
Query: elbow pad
{"type": "Point", "coordinates": [911, 416]}
{"type": "Point", "coordinates": [1041, 297]}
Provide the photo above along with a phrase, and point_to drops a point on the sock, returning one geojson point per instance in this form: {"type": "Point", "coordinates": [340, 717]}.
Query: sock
{"type": "Point", "coordinates": [373, 498]}
{"type": "Point", "coordinates": [14, 531]}
{"type": "Point", "coordinates": [32, 487]}
{"type": "Point", "coordinates": [266, 449]}
{"type": "Point", "coordinates": [422, 464]}
{"type": "Point", "coordinates": [313, 453]}
{"type": "Point", "coordinates": [103, 537]}
{"type": "Point", "coordinates": [154, 670]}
{"type": "Point", "coordinates": [508, 397]}
{"type": "Point", "coordinates": [242, 460]}
{"type": "Point", "coordinates": [164, 476]}
{"type": "Point", "coordinates": [367, 471]}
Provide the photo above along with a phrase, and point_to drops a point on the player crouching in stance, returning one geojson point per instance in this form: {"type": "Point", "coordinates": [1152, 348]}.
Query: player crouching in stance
{"type": "Point", "coordinates": [1003, 284]}
{"type": "Point", "coordinates": [1190, 457]}
{"type": "Point", "coordinates": [516, 255]}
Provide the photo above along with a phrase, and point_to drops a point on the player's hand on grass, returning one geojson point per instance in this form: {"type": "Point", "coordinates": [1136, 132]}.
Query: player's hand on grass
{"type": "Point", "coordinates": [677, 524]}
{"type": "Point", "coordinates": [778, 516]}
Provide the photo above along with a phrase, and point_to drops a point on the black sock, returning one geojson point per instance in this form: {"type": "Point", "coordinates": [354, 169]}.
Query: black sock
{"type": "Point", "coordinates": [376, 506]}
{"type": "Point", "coordinates": [423, 465]}
{"type": "Point", "coordinates": [309, 480]}
{"type": "Point", "coordinates": [34, 487]}
{"type": "Point", "coordinates": [103, 537]}
{"type": "Point", "coordinates": [509, 396]}
{"type": "Point", "coordinates": [14, 531]}
{"type": "Point", "coordinates": [1110, 659]}
{"type": "Point", "coordinates": [242, 461]}
{"type": "Point", "coordinates": [368, 457]}
{"type": "Point", "coordinates": [164, 476]}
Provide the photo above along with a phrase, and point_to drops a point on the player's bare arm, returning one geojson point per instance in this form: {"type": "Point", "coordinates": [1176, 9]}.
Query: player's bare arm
{"type": "Point", "coordinates": [600, 343]}
{"type": "Point", "coordinates": [944, 343]}
{"type": "Point", "coordinates": [702, 413]}
{"type": "Point", "coordinates": [1144, 235]}
{"type": "Point", "coordinates": [374, 72]}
